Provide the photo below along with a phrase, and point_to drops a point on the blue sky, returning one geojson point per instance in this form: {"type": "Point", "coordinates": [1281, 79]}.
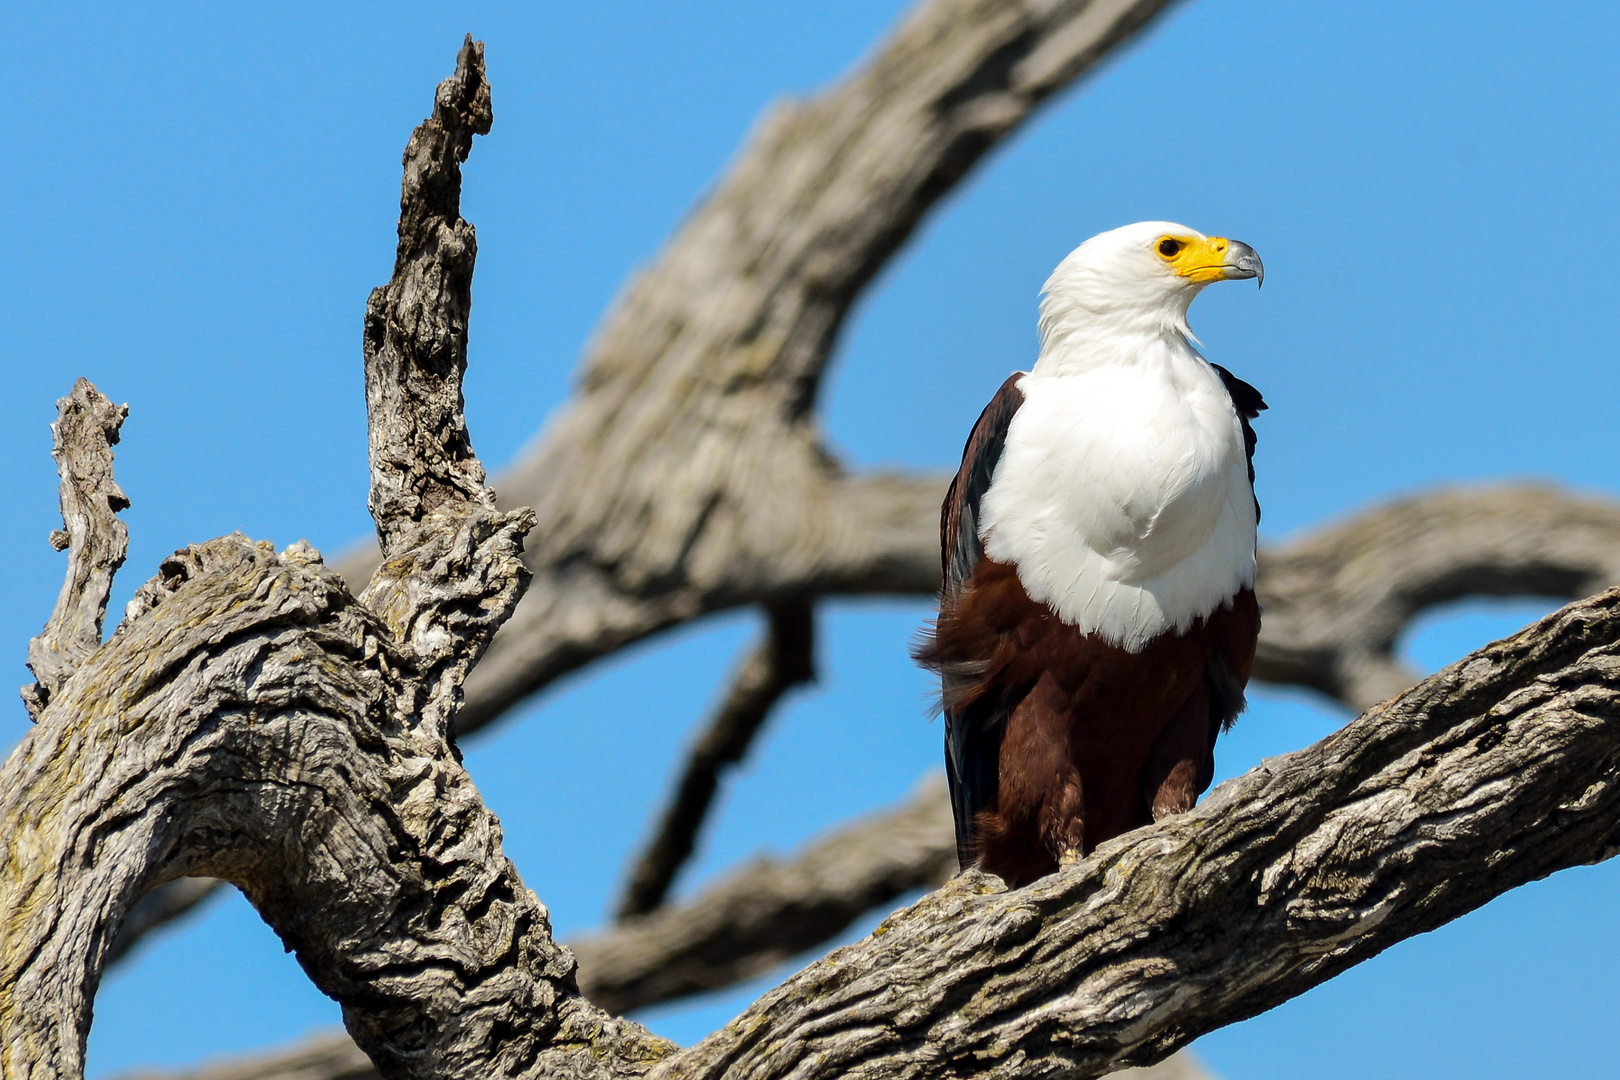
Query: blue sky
{"type": "Point", "coordinates": [200, 200]}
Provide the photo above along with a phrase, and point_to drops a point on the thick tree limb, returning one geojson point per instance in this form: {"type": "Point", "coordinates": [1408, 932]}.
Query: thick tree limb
{"type": "Point", "coordinates": [885, 556]}
{"type": "Point", "coordinates": [783, 659]}
{"type": "Point", "coordinates": [1498, 771]}
{"type": "Point", "coordinates": [246, 727]}
{"type": "Point", "coordinates": [335, 1057]}
{"type": "Point", "coordinates": [254, 725]}
{"type": "Point", "coordinates": [84, 434]}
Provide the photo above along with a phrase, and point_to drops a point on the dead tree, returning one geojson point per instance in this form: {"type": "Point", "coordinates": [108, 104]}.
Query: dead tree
{"type": "Point", "coordinates": [255, 720]}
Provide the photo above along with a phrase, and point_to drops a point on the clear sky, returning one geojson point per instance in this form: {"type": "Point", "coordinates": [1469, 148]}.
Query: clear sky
{"type": "Point", "coordinates": [200, 199]}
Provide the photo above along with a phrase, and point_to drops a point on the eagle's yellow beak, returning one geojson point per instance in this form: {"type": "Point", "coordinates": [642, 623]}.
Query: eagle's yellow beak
{"type": "Point", "coordinates": [1214, 258]}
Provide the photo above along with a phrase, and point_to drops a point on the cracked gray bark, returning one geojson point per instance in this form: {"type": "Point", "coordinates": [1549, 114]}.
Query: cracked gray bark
{"type": "Point", "coordinates": [327, 1057]}
{"type": "Point", "coordinates": [253, 720]}
{"type": "Point", "coordinates": [85, 431]}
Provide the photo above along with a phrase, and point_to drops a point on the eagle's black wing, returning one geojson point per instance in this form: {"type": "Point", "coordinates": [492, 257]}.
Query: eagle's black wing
{"type": "Point", "coordinates": [1226, 699]}
{"type": "Point", "coordinates": [972, 733]}
{"type": "Point", "coordinates": [1249, 404]}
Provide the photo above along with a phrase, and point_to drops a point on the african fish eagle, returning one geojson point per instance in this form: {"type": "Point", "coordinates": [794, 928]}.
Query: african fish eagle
{"type": "Point", "coordinates": [1097, 624]}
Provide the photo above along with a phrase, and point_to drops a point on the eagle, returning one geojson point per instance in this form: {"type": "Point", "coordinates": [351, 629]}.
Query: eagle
{"type": "Point", "coordinates": [1097, 623]}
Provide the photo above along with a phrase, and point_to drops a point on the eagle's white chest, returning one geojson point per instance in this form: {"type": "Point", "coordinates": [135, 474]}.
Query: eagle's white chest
{"type": "Point", "coordinates": [1122, 495]}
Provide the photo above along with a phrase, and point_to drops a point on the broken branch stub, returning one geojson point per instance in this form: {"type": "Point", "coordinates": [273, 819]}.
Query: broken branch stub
{"type": "Point", "coordinates": [85, 431]}
{"type": "Point", "coordinates": [416, 326]}
{"type": "Point", "coordinates": [451, 572]}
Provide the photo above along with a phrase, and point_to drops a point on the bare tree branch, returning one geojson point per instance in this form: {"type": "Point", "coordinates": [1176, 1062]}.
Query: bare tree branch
{"type": "Point", "coordinates": [783, 659]}
{"type": "Point", "coordinates": [270, 730]}
{"type": "Point", "coordinates": [450, 573]}
{"type": "Point", "coordinates": [416, 325]}
{"type": "Point", "coordinates": [1337, 600]}
{"type": "Point", "coordinates": [767, 912]}
{"type": "Point", "coordinates": [678, 537]}
{"type": "Point", "coordinates": [335, 1057]}
{"type": "Point", "coordinates": [84, 434]}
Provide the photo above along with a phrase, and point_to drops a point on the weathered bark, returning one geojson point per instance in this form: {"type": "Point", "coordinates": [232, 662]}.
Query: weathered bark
{"type": "Point", "coordinates": [335, 1057]}
{"type": "Point", "coordinates": [450, 573]}
{"type": "Point", "coordinates": [260, 724]}
{"type": "Point", "coordinates": [84, 434]}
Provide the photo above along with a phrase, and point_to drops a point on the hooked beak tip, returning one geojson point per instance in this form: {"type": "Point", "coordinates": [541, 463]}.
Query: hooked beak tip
{"type": "Point", "coordinates": [1246, 263]}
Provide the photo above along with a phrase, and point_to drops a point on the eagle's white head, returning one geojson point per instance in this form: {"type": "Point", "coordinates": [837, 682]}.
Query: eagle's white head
{"type": "Point", "coordinates": [1136, 280]}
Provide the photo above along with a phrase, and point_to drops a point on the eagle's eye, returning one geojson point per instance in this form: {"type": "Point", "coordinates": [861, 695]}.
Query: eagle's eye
{"type": "Point", "coordinates": [1169, 247]}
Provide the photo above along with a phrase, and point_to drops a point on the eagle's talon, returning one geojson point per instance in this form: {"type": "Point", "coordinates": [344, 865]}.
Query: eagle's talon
{"type": "Point", "coordinates": [1069, 857]}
